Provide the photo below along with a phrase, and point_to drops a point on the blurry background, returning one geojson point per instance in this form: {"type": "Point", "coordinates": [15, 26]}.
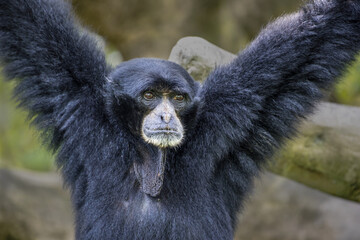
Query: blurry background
{"type": "Point", "coordinates": [150, 28]}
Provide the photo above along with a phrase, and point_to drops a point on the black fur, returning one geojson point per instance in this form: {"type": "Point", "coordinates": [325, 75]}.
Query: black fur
{"type": "Point", "coordinates": [236, 119]}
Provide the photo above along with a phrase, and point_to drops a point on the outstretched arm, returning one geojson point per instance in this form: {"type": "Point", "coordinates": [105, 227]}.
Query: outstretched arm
{"type": "Point", "coordinates": [60, 72]}
{"type": "Point", "coordinates": [60, 75]}
{"type": "Point", "coordinates": [255, 102]}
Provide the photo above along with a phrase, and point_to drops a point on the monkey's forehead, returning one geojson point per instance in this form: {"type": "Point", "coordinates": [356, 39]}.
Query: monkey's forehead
{"type": "Point", "coordinates": [142, 74]}
{"type": "Point", "coordinates": [140, 83]}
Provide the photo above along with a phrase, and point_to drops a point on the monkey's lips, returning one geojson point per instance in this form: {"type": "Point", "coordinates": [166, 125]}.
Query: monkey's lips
{"type": "Point", "coordinates": [161, 131]}
{"type": "Point", "coordinates": [163, 137]}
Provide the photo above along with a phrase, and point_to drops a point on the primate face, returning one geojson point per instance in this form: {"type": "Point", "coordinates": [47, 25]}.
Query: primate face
{"type": "Point", "coordinates": [160, 94]}
{"type": "Point", "coordinates": [161, 126]}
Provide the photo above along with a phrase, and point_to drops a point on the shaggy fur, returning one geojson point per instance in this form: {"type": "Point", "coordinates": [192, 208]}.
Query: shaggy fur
{"type": "Point", "coordinates": [236, 120]}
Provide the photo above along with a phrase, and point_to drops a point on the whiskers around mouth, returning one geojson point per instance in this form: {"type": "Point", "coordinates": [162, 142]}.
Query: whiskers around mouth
{"type": "Point", "coordinates": [162, 137]}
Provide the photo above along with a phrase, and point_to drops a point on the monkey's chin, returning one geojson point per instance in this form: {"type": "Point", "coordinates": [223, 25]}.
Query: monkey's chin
{"type": "Point", "coordinates": [162, 138]}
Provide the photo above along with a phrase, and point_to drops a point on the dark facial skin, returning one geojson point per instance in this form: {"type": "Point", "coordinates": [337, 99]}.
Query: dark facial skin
{"type": "Point", "coordinates": [162, 127]}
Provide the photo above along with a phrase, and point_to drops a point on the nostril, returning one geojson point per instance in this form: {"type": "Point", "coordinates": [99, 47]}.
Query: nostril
{"type": "Point", "coordinates": [166, 117]}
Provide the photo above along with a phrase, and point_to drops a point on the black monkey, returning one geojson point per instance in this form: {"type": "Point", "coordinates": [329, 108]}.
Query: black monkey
{"type": "Point", "coordinates": [146, 151]}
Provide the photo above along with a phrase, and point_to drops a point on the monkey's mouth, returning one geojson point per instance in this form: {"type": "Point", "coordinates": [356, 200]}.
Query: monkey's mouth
{"type": "Point", "coordinates": [162, 137]}
{"type": "Point", "coordinates": [166, 130]}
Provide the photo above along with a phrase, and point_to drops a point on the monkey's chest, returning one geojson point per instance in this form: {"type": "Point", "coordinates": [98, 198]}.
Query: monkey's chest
{"type": "Point", "coordinates": [173, 218]}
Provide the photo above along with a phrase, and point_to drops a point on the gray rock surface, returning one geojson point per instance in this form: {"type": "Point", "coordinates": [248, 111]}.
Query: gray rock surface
{"type": "Point", "coordinates": [281, 209]}
{"type": "Point", "coordinates": [34, 206]}
{"type": "Point", "coordinates": [198, 56]}
{"type": "Point", "coordinates": [326, 154]}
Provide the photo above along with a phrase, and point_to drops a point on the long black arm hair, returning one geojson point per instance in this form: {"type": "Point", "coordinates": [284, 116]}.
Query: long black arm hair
{"type": "Point", "coordinates": [256, 101]}
{"type": "Point", "coordinates": [59, 68]}
{"type": "Point", "coordinates": [60, 76]}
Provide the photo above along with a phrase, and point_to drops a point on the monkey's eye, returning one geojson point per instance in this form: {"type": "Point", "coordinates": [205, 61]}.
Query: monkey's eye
{"type": "Point", "coordinates": [179, 97]}
{"type": "Point", "coordinates": [148, 95]}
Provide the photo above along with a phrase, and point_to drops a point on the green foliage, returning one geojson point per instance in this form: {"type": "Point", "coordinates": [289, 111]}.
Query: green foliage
{"type": "Point", "coordinates": [348, 90]}
{"type": "Point", "coordinates": [19, 143]}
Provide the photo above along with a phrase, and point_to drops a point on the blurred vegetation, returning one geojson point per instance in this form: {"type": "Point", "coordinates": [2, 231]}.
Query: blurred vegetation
{"type": "Point", "coordinates": [144, 28]}
{"type": "Point", "coordinates": [19, 144]}
{"type": "Point", "coordinates": [348, 89]}
{"type": "Point", "coordinates": [150, 28]}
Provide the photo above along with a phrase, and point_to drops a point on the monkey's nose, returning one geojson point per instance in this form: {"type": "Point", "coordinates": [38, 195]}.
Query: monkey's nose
{"type": "Point", "coordinates": [166, 117]}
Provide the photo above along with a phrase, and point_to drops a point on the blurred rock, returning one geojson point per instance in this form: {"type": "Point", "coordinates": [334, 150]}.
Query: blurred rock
{"type": "Point", "coordinates": [325, 155]}
{"type": "Point", "coordinates": [281, 209]}
{"type": "Point", "coordinates": [198, 56]}
{"type": "Point", "coordinates": [34, 206]}
{"type": "Point", "coordinates": [114, 58]}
